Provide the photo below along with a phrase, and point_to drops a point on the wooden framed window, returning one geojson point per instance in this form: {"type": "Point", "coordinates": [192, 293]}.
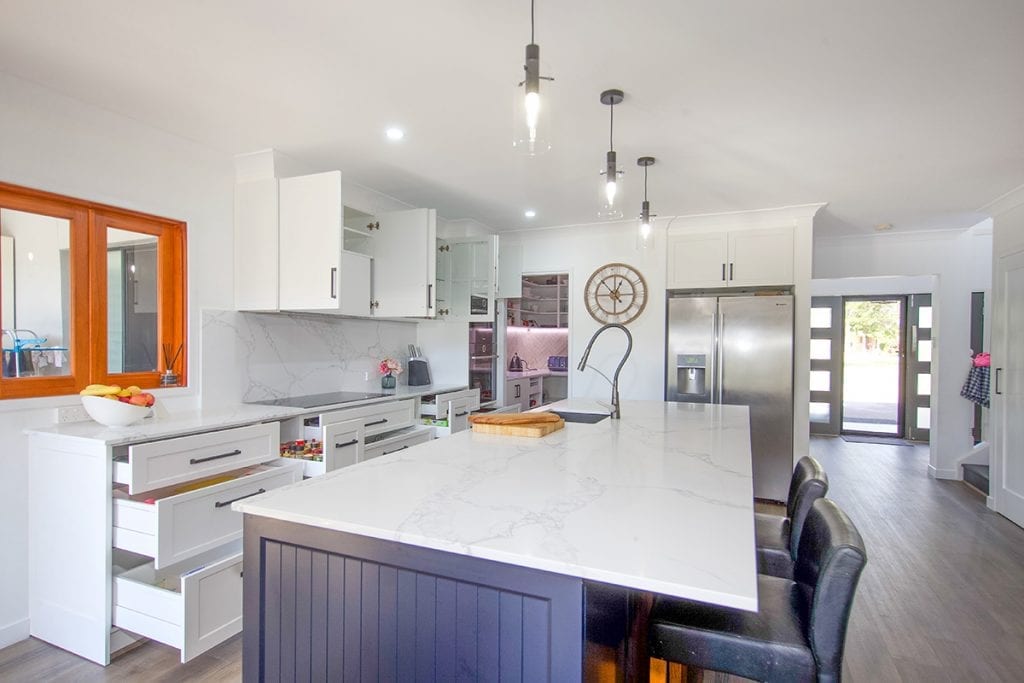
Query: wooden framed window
{"type": "Point", "coordinates": [89, 294]}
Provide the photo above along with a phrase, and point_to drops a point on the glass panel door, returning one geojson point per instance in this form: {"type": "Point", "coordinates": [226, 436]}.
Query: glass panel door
{"type": "Point", "coordinates": [919, 366]}
{"type": "Point", "coordinates": [872, 360]}
{"type": "Point", "coordinates": [826, 363]}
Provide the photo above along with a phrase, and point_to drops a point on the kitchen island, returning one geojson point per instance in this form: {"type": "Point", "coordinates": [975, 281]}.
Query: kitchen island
{"type": "Point", "coordinates": [483, 554]}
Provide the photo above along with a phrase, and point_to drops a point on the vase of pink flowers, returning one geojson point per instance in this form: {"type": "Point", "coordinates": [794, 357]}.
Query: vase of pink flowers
{"type": "Point", "coordinates": [389, 370]}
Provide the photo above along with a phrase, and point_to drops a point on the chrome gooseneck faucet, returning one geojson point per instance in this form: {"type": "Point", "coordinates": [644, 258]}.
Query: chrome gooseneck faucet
{"type": "Point", "coordinates": [616, 413]}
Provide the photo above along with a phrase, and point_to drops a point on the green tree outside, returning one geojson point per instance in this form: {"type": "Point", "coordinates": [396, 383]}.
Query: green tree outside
{"type": "Point", "coordinates": [877, 324]}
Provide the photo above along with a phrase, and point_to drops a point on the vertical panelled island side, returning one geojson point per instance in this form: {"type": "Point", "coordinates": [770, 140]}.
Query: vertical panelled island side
{"type": "Point", "coordinates": [491, 557]}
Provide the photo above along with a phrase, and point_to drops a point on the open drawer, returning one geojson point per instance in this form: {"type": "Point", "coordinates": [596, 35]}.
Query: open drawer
{"type": "Point", "coordinates": [193, 611]}
{"type": "Point", "coordinates": [177, 523]}
{"type": "Point", "coordinates": [154, 465]}
{"type": "Point", "coordinates": [399, 441]}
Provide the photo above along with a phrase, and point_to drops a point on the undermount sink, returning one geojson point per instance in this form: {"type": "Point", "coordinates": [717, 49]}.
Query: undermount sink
{"type": "Point", "coordinates": [587, 418]}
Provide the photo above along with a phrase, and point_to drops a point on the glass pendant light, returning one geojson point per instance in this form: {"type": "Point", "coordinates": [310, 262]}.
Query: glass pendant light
{"type": "Point", "coordinates": [532, 122]}
{"type": "Point", "coordinates": [612, 175]}
{"type": "Point", "coordinates": [644, 224]}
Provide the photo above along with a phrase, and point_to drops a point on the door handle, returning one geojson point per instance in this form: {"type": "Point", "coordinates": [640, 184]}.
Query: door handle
{"type": "Point", "coordinates": [196, 461]}
{"type": "Point", "coordinates": [353, 442]}
{"type": "Point", "coordinates": [395, 451]}
{"type": "Point", "coordinates": [430, 290]}
{"type": "Point", "coordinates": [334, 283]}
{"type": "Point", "coordinates": [377, 422]}
{"type": "Point", "coordinates": [723, 272]}
{"type": "Point", "coordinates": [998, 372]}
{"type": "Point", "coordinates": [731, 277]}
{"type": "Point", "coordinates": [461, 414]}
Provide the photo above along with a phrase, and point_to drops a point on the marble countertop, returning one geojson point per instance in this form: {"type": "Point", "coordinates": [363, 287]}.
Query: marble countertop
{"type": "Point", "coordinates": [661, 500]}
{"type": "Point", "coordinates": [522, 374]}
{"type": "Point", "coordinates": [164, 424]}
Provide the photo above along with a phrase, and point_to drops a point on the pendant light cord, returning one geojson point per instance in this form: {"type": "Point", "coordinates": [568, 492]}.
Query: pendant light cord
{"type": "Point", "coordinates": [531, 22]}
{"type": "Point", "coordinates": [645, 183]}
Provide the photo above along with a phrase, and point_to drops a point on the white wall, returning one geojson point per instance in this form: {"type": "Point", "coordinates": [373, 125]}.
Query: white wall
{"type": "Point", "coordinates": [61, 145]}
{"type": "Point", "coordinates": [38, 241]}
{"type": "Point", "coordinates": [959, 262]}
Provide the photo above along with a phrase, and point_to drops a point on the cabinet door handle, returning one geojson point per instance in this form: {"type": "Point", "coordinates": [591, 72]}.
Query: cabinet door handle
{"type": "Point", "coordinates": [731, 277]}
{"type": "Point", "coordinates": [430, 291]}
{"type": "Point", "coordinates": [353, 442]}
{"type": "Point", "coordinates": [723, 272]}
{"type": "Point", "coordinates": [998, 372]}
{"type": "Point", "coordinates": [225, 503]}
{"type": "Point", "coordinates": [196, 461]}
{"type": "Point", "coordinates": [334, 283]}
{"type": "Point", "coordinates": [377, 422]}
{"type": "Point", "coordinates": [394, 451]}
{"type": "Point", "coordinates": [462, 414]}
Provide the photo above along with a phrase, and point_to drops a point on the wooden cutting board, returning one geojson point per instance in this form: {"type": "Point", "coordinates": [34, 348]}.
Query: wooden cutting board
{"type": "Point", "coordinates": [535, 430]}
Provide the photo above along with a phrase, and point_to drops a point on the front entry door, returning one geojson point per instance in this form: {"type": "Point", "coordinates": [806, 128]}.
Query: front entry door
{"type": "Point", "coordinates": [1008, 389]}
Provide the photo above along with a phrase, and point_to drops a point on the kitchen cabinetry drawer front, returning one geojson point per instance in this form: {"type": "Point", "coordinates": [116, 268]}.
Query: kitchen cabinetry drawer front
{"type": "Point", "coordinates": [343, 444]}
{"type": "Point", "coordinates": [399, 442]}
{"type": "Point", "coordinates": [439, 408]}
{"type": "Point", "coordinates": [458, 413]}
{"type": "Point", "coordinates": [178, 527]}
{"type": "Point", "coordinates": [172, 461]}
{"type": "Point", "coordinates": [192, 612]}
{"type": "Point", "coordinates": [390, 416]}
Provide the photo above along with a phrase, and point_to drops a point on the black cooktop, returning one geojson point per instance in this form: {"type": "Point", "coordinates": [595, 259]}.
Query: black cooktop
{"type": "Point", "coordinates": [315, 400]}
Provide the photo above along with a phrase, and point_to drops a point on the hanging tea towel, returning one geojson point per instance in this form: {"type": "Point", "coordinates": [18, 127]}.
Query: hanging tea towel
{"type": "Point", "coordinates": [976, 387]}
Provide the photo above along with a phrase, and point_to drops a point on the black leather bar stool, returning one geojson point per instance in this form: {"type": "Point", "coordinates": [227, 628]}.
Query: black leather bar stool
{"type": "Point", "coordinates": [799, 630]}
{"type": "Point", "coordinates": [778, 537]}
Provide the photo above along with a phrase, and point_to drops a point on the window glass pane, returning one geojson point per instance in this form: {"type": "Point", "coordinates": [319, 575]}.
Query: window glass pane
{"type": "Point", "coordinates": [821, 349]}
{"type": "Point", "coordinates": [924, 418]}
{"type": "Point", "coordinates": [819, 412]}
{"type": "Point", "coordinates": [131, 301]}
{"type": "Point", "coordinates": [924, 384]}
{"type": "Point", "coordinates": [35, 303]}
{"type": "Point", "coordinates": [924, 316]}
{"type": "Point", "coordinates": [924, 350]}
{"type": "Point", "coordinates": [820, 380]}
{"type": "Point", "coordinates": [821, 317]}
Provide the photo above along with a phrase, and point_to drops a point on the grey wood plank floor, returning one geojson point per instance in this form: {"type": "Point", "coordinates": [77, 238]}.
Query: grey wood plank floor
{"type": "Point", "coordinates": [941, 599]}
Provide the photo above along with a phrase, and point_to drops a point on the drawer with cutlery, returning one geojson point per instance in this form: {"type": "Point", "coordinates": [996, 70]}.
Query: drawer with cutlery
{"type": "Point", "coordinates": [175, 523]}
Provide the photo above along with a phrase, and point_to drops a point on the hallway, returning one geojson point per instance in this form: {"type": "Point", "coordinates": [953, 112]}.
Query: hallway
{"type": "Point", "coordinates": [942, 596]}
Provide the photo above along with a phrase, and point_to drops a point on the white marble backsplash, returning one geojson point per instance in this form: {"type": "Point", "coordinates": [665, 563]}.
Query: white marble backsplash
{"type": "Point", "coordinates": [257, 356]}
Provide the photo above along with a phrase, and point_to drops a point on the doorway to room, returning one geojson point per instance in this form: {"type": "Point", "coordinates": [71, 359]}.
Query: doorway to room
{"type": "Point", "coordinates": [871, 366]}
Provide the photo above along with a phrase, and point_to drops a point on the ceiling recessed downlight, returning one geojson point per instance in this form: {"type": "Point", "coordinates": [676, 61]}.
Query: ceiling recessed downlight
{"type": "Point", "coordinates": [395, 133]}
{"type": "Point", "coordinates": [882, 227]}
{"type": "Point", "coordinates": [529, 213]}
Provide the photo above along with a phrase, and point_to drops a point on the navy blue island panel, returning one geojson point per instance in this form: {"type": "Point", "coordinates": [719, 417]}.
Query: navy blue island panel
{"type": "Point", "coordinates": [325, 605]}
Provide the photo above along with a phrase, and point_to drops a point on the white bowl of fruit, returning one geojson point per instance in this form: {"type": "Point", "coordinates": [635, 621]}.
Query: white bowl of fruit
{"type": "Point", "coordinates": [113, 406]}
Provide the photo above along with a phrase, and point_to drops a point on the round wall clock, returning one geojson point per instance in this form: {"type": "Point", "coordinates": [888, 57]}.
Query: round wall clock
{"type": "Point", "coordinates": [615, 293]}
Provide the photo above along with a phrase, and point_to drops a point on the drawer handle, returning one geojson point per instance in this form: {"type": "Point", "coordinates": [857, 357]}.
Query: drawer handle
{"type": "Point", "coordinates": [225, 503]}
{"type": "Point", "coordinates": [353, 442]}
{"type": "Point", "coordinates": [196, 461]}
{"type": "Point", "coordinates": [462, 414]}
{"type": "Point", "coordinates": [395, 451]}
{"type": "Point", "coordinates": [377, 422]}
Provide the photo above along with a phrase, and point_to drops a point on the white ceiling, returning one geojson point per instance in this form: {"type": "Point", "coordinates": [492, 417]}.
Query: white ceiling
{"type": "Point", "coordinates": [906, 112]}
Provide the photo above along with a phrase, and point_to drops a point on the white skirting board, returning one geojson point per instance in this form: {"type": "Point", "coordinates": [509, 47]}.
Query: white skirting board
{"type": "Point", "coordinates": [13, 633]}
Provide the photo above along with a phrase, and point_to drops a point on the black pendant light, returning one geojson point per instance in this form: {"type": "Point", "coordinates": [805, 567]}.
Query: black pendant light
{"type": "Point", "coordinates": [611, 172]}
{"type": "Point", "coordinates": [529, 136]}
{"type": "Point", "coordinates": [644, 225]}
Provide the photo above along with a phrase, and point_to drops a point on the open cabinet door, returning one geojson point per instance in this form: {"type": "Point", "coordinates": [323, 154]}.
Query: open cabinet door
{"type": "Point", "coordinates": [1008, 387]}
{"type": "Point", "coordinates": [404, 263]}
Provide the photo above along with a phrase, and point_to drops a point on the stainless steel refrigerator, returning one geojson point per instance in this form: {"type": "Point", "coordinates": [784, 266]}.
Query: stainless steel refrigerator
{"type": "Point", "coordinates": [738, 350]}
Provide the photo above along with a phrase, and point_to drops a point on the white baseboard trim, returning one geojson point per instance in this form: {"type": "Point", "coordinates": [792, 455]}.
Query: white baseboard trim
{"type": "Point", "coordinates": [990, 503]}
{"type": "Point", "coordinates": [13, 633]}
{"type": "Point", "coordinates": [936, 473]}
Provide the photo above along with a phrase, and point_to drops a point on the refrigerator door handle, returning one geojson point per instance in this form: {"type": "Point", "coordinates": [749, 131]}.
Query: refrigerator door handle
{"type": "Point", "coordinates": [719, 356]}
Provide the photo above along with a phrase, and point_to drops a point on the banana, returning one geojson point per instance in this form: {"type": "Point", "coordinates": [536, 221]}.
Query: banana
{"type": "Point", "coordinates": [100, 390]}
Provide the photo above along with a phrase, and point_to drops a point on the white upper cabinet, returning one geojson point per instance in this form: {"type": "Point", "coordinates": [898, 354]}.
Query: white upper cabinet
{"type": "Point", "coordinates": [335, 259]}
{"type": "Point", "coordinates": [736, 258]}
{"type": "Point", "coordinates": [404, 263]}
{"type": "Point", "coordinates": [466, 278]}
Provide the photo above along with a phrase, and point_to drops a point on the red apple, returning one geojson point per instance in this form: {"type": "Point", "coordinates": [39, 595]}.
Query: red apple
{"type": "Point", "coordinates": [138, 400]}
{"type": "Point", "coordinates": [150, 398]}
